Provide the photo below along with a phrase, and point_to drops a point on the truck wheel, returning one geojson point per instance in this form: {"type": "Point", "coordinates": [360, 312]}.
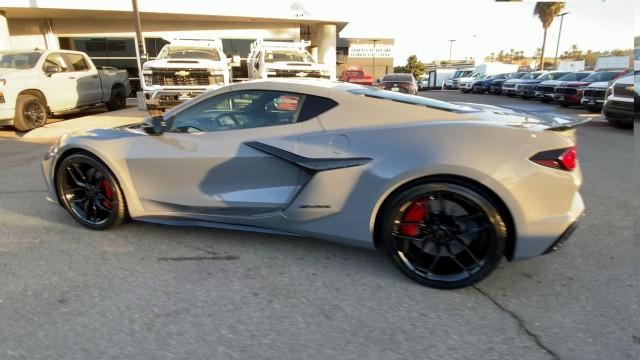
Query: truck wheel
{"type": "Point", "coordinates": [118, 99]}
{"type": "Point", "coordinates": [31, 112]}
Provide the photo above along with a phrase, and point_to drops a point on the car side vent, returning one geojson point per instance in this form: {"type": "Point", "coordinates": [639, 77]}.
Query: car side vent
{"type": "Point", "coordinates": [314, 106]}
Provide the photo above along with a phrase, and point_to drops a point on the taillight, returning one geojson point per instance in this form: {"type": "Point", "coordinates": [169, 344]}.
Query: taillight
{"type": "Point", "coordinates": [562, 159]}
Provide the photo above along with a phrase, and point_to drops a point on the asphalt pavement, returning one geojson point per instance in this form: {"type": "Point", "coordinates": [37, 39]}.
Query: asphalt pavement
{"type": "Point", "coordinates": [145, 291]}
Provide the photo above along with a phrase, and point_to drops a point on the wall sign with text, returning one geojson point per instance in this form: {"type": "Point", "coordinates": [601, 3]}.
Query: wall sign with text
{"type": "Point", "coordinates": [366, 50]}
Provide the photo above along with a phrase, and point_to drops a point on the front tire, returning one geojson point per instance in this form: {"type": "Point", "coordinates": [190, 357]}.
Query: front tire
{"type": "Point", "coordinates": [31, 113]}
{"type": "Point", "coordinates": [444, 234]}
{"type": "Point", "coordinates": [90, 192]}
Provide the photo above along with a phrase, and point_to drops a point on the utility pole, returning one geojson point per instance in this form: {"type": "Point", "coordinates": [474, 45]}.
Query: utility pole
{"type": "Point", "coordinates": [373, 70]}
{"type": "Point", "coordinates": [450, 49]}
{"type": "Point", "coordinates": [141, 49]}
{"type": "Point", "coordinates": [559, 33]}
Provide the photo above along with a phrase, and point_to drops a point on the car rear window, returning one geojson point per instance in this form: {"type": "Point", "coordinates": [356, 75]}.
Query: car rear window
{"type": "Point", "coordinates": [397, 77]}
{"type": "Point", "coordinates": [411, 99]}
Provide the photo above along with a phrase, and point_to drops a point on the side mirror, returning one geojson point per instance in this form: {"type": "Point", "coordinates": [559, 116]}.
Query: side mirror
{"type": "Point", "coordinates": [155, 125]}
{"type": "Point", "coordinates": [52, 69]}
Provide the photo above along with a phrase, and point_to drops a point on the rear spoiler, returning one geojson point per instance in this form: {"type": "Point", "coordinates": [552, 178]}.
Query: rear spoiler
{"type": "Point", "coordinates": [555, 123]}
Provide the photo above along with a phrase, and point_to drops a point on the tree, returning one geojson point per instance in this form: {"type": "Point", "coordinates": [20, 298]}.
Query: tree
{"type": "Point", "coordinates": [414, 66]}
{"type": "Point", "coordinates": [546, 11]}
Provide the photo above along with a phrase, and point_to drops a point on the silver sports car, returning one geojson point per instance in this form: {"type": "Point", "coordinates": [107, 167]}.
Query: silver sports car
{"type": "Point", "coordinates": [446, 190]}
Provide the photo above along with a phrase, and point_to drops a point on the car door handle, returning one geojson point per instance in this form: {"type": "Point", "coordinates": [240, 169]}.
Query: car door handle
{"type": "Point", "coordinates": [95, 76]}
{"type": "Point", "coordinates": [72, 77]}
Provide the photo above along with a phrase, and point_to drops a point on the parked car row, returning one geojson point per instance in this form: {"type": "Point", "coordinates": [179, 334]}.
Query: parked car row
{"type": "Point", "coordinates": [611, 92]}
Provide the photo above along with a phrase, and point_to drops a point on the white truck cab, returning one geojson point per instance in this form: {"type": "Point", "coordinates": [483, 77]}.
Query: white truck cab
{"type": "Point", "coordinates": [269, 59]}
{"type": "Point", "coordinates": [184, 69]}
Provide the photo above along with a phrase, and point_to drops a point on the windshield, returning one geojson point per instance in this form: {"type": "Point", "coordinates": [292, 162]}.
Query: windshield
{"type": "Point", "coordinates": [516, 75]}
{"type": "Point", "coordinates": [601, 76]}
{"type": "Point", "coordinates": [19, 60]}
{"type": "Point", "coordinates": [530, 76]}
{"type": "Point", "coordinates": [189, 52]}
{"type": "Point", "coordinates": [552, 76]}
{"type": "Point", "coordinates": [411, 99]}
{"type": "Point", "coordinates": [288, 55]}
{"type": "Point", "coordinates": [574, 76]}
{"type": "Point", "coordinates": [460, 73]}
{"type": "Point", "coordinates": [398, 77]}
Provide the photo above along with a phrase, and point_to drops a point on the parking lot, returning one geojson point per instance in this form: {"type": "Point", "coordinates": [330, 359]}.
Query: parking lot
{"type": "Point", "coordinates": [146, 291]}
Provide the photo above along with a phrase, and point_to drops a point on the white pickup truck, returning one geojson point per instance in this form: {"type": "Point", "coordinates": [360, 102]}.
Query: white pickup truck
{"type": "Point", "coordinates": [35, 84]}
{"type": "Point", "coordinates": [269, 59]}
{"type": "Point", "coordinates": [184, 69]}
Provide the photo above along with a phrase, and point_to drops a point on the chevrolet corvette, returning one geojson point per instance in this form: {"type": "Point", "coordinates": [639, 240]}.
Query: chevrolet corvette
{"type": "Point", "coordinates": [446, 190]}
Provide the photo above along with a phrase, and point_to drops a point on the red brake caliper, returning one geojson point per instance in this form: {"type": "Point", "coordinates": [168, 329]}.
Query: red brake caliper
{"type": "Point", "coordinates": [412, 218]}
{"type": "Point", "coordinates": [108, 193]}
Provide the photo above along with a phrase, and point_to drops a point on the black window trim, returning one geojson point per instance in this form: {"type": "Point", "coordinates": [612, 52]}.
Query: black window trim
{"type": "Point", "coordinates": [43, 68]}
{"type": "Point", "coordinates": [303, 97]}
{"type": "Point", "coordinates": [66, 57]}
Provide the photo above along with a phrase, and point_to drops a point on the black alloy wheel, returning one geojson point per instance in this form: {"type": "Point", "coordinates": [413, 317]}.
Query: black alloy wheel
{"type": "Point", "coordinates": [90, 192]}
{"type": "Point", "coordinates": [444, 235]}
{"type": "Point", "coordinates": [31, 112]}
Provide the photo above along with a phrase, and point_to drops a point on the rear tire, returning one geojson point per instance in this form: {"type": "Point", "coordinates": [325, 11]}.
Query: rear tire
{"type": "Point", "coordinates": [456, 246]}
{"type": "Point", "coordinates": [118, 100]}
{"type": "Point", "coordinates": [31, 113]}
{"type": "Point", "coordinates": [90, 192]}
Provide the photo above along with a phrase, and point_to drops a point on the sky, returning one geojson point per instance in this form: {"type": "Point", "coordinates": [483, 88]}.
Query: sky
{"type": "Point", "coordinates": [480, 27]}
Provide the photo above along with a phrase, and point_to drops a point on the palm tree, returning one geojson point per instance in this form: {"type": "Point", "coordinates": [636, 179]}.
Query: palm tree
{"type": "Point", "coordinates": [546, 11]}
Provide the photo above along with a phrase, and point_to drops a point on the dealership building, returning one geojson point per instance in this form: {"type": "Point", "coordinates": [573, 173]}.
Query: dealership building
{"type": "Point", "coordinates": [105, 30]}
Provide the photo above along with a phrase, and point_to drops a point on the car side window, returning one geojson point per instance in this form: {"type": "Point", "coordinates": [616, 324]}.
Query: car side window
{"type": "Point", "coordinates": [55, 60]}
{"type": "Point", "coordinates": [77, 62]}
{"type": "Point", "coordinates": [239, 110]}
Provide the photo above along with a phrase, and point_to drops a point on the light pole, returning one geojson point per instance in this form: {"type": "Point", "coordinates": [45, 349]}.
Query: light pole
{"type": "Point", "coordinates": [559, 33]}
{"type": "Point", "coordinates": [450, 49]}
{"type": "Point", "coordinates": [373, 65]}
{"type": "Point", "coordinates": [141, 49]}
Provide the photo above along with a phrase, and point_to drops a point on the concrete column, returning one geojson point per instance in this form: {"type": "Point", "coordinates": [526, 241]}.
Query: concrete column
{"type": "Point", "coordinates": [326, 41]}
{"type": "Point", "coordinates": [4, 32]}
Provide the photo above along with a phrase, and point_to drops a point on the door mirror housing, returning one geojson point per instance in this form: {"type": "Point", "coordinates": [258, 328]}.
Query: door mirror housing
{"type": "Point", "coordinates": [52, 69]}
{"type": "Point", "coordinates": [155, 125]}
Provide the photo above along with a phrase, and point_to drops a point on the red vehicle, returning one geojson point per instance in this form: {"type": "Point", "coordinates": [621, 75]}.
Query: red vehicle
{"type": "Point", "coordinates": [356, 76]}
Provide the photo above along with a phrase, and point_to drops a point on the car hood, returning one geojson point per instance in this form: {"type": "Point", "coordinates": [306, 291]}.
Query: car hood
{"type": "Point", "coordinates": [6, 71]}
{"type": "Point", "coordinates": [573, 84]}
{"type": "Point", "coordinates": [514, 81]}
{"type": "Point", "coordinates": [599, 85]}
{"type": "Point", "coordinates": [531, 81]}
{"type": "Point", "coordinates": [293, 65]}
{"type": "Point", "coordinates": [182, 63]}
{"type": "Point", "coordinates": [552, 82]}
